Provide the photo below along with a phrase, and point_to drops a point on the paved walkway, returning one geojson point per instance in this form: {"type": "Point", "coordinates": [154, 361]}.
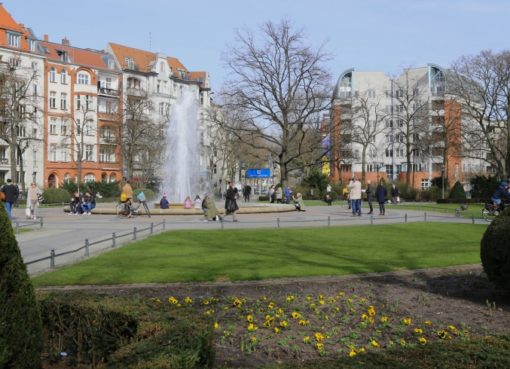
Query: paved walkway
{"type": "Point", "coordinates": [62, 232]}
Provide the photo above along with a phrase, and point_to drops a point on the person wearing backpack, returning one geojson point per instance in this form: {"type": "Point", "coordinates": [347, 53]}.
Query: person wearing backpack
{"type": "Point", "coordinates": [11, 193]}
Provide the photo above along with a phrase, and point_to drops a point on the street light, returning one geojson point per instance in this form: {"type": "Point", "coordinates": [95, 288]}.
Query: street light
{"type": "Point", "coordinates": [442, 182]}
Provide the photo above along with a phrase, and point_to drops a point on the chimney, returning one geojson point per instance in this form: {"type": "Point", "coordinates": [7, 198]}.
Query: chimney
{"type": "Point", "coordinates": [46, 38]}
{"type": "Point", "coordinates": [65, 42]}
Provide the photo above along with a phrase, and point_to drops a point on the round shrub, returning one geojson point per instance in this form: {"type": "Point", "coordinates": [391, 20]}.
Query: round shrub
{"type": "Point", "coordinates": [495, 250]}
{"type": "Point", "coordinates": [20, 322]}
{"type": "Point", "coordinates": [56, 195]}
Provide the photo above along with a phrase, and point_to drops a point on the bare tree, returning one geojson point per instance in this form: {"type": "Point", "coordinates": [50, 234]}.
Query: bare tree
{"type": "Point", "coordinates": [19, 112]}
{"type": "Point", "coordinates": [481, 83]}
{"type": "Point", "coordinates": [410, 120]}
{"type": "Point", "coordinates": [281, 87]}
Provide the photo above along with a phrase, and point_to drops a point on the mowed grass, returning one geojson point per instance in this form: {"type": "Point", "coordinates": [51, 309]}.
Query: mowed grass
{"type": "Point", "coordinates": [180, 256]}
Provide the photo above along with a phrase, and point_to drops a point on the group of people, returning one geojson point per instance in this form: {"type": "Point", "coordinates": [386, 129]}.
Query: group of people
{"type": "Point", "coordinates": [353, 193]}
{"type": "Point", "coordinates": [9, 195]}
{"type": "Point", "coordinates": [279, 195]}
{"type": "Point", "coordinates": [82, 204]}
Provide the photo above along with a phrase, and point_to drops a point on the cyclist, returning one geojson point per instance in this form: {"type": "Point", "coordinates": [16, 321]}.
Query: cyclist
{"type": "Point", "coordinates": [126, 197]}
{"type": "Point", "coordinates": [500, 194]}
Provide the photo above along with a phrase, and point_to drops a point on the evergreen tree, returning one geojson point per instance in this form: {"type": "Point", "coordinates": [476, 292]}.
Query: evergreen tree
{"type": "Point", "coordinates": [20, 322]}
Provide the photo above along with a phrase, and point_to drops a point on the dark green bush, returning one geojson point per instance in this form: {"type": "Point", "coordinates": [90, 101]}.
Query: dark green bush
{"type": "Point", "coordinates": [318, 182]}
{"type": "Point", "coordinates": [482, 187]}
{"type": "Point", "coordinates": [20, 323]}
{"type": "Point", "coordinates": [432, 193]}
{"type": "Point", "coordinates": [56, 196]}
{"type": "Point", "coordinates": [495, 250]}
{"type": "Point", "coordinates": [107, 190]}
{"type": "Point", "coordinates": [264, 198]}
{"type": "Point", "coordinates": [457, 192]}
{"type": "Point", "coordinates": [185, 344]}
{"type": "Point", "coordinates": [88, 333]}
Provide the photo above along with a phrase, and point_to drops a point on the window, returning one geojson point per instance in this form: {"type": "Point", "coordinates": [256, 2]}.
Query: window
{"type": "Point", "coordinates": [107, 154]}
{"type": "Point", "coordinates": [88, 103]}
{"type": "Point", "coordinates": [13, 40]}
{"type": "Point", "coordinates": [53, 126]}
{"type": "Point", "coordinates": [53, 100]}
{"type": "Point", "coordinates": [83, 78]}
{"type": "Point", "coordinates": [35, 65]}
{"type": "Point", "coordinates": [111, 64]}
{"type": "Point", "coordinates": [64, 128]}
{"type": "Point", "coordinates": [78, 102]}
{"type": "Point", "coordinates": [108, 134]}
{"type": "Point", "coordinates": [53, 75]}
{"type": "Point", "coordinates": [158, 86]}
{"type": "Point", "coordinates": [89, 151]}
{"type": "Point", "coordinates": [400, 93]}
{"type": "Point", "coordinates": [389, 123]}
{"type": "Point", "coordinates": [63, 77]}
{"type": "Point", "coordinates": [161, 108]}
{"type": "Point", "coordinates": [133, 83]}
{"type": "Point", "coordinates": [371, 93]}
{"type": "Point", "coordinates": [87, 128]}
{"type": "Point", "coordinates": [14, 62]}
{"type": "Point", "coordinates": [21, 131]}
{"type": "Point", "coordinates": [108, 82]}
{"type": "Point", "coordinates": [63, 55]}
{"type": "Point", "coordinates": [89, 177]}
{"type": "Point", "coordinates": [35, 90]}
{"type": "Point", "coordinates": [53, 152]}
{"type": "Point", "coordinates": [64, 153]}
{"type": "Point", "coordinates": [32, 45]}
{"type": "Point", "coordinates": [161, 67]}
{"type": "Point", "coordinates": [63, 101]}
{"type": "Point", "coordinates": [130, 63]}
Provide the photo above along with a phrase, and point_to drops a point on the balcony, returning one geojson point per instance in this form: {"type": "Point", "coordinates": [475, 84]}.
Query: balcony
{"type": "Point", "coordinates": [4, 161]}
{"type": "Point", "coordinates": [111, 116]}
{"type": "Point", "coordinates": [108, 92]}
{"type": "Point", "coordinates": [134, 91]}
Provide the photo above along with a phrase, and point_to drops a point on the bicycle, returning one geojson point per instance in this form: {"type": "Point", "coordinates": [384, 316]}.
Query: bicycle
{"type": "Point", "coordinates": [127, 208]}
{"type": "Point", "coordinates": [491, 211]}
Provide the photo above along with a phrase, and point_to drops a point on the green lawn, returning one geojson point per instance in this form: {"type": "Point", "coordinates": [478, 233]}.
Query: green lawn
{"type": "Point", "coordinates": [472, 210]}
{"type": "Point", "coordinates": [258, 254]}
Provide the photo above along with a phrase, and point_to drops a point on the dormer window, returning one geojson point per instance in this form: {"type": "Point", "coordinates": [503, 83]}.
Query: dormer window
{"type": "Point", "coordinates": [130, 63]}
{"type": "Point", "coordinates": [13, 40]}
{"type": "Point", "coordinates": [63, 55]}
{"type": "Point", "coordinates": [111, 64]}
{"type": "Point", "coordinates": [32, 45]}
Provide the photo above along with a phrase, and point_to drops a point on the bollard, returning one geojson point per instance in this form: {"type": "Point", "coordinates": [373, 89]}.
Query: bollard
{"type": "Point", "coordinates": [152, 228]}
{"type": "Point", "coordinates": [425, 216]}
{"type": "Point", "coordinates": [87, 247]}
{"type": "Point", "coordinates": [41, 222]}
{"type": "Point", "coordinates": [164, 224]}
{"type": "Point", "coordinates": [222, 225]}
{"type": "Point", "coordinates": [457, 213]}
{"type": "Point", "coordinates": [134, 233]}
{"type": "Point", "coordinates": [114, 241]}
{"type": "Point", "coordinates": [52, 258]}
{"type": "Point", "coordinates": [405, 218]}
{"type": "Point", "coordinates": [329, 221]}
{"type": "Point", "coordinates": [371, 219]}
{"type": "Point", "coordinates": [278, 222]}
{"type": "Point", "coordinates": [473, 219]}
{"type": "Point", "coordinates": [17, 228]}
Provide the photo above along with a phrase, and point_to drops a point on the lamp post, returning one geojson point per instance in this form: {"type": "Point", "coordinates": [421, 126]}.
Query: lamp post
{"type": "Point", "coordinates": [442, 182]}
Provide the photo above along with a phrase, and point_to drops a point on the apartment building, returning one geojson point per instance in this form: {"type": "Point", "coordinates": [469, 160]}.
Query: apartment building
{"type": "Point", "coordinates": [21, 103]}
{"type": "Point", "coordinates": [83, 114]}
{"type": "Point", "coordinates": [387, 124]}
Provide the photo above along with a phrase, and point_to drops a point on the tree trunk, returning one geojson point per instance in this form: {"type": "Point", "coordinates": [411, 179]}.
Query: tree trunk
{"type": "Point", "coordinates": [12, 153]}
{"type": "Point", "coordinates": [363, 163]}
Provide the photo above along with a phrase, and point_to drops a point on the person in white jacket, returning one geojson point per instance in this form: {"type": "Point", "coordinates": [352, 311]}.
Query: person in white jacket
{"type": "Point", "coordinates": [33, 200]}
{"type": "Point", "coordinates": [355, 196]}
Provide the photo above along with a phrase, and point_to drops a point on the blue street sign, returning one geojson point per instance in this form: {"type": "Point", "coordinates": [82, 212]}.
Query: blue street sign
{"type": "Point", "coordinates": [258, 173]}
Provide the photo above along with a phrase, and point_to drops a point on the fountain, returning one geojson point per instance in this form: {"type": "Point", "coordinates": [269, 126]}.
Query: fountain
{"type": "Point", "coordinates": [183, 174]}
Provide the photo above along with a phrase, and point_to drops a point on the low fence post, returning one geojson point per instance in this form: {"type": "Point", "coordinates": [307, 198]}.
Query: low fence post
{"type": "Point", "coordinates": [164, 224]}
{"type": "Point", "coordinates": [405, 218]}
{"type": "Point", "coordinates": [16, 228]}
{"type": "Point", "coordinates": [87, 253]}
{"type": "Point", "coordinates": [41, 219]}
{"type": "Point", "coordinates": [134, 233]}
{"type": "Point", "coordinates": [114, 240]}
{"type": "Point", "coordinates": [152, 228]}
{"type": "Point", "coordinates": [329, 221]}
{"type": "Point", "coordinates": [278, 222]}
{"type": "Point", "coordinates": [425, 216]}
{"type": "Point", "coordinates": [473, 219]}
{"type": "Point", "coordinates": [371, 219]}
{"type": "Point", "coordinates": [52, 258]}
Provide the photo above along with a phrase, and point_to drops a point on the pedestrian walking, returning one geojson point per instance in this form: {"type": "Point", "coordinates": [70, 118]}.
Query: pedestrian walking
{"type": "Point", "coordinates": [370, 198]}
{"type": "Point", "coordinates": [355, 196]}
{"type": "Point", "coordinates": [231, 201]}
{"type": "Point", "coordinates": [380, 195]}
{"type": "Point", "coordinates": [246, 193]}
{"type": "Point", "coordinates": [395, 194]}
{"type": "Point", "coordinates": [33, 198]}
{"type": "Point", "coordinates": [11, 193]}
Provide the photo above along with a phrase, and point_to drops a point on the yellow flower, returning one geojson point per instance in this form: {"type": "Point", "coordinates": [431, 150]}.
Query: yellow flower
{"type": "Point", "coordinates": [453, 329]}
{"type": "Point", "coordinates": [331, 300]}
{"type": "Point", "coordinates": [306, 339]}
{"type": "Point", "coordinates": [319, 346]}
{"type": "Point", "coordinates": [443, 334]}
{"type": "Point", "coordinates": [428, 322]}
{"type": "Point", "coordinates": [284, 324]}
{"type": "Point", "coordinates": [216, 325]}
{"type": "Point", "coordinates": [276, 330]}
{"type": "Point", "coordinates": [209, 312]}
{"type": "Point", "coordinates": [280, 312]}
{"type": "Point", "coordinates": [253, 339]}
{"type": "Point", "coordinates": [172, 300]}
{"type": "Point", "coordinates": [205, 302]}
{"type": "Point", "coordinates": [319, 337]}
{"type": "Point", "coordinates": [341, 294]}
{"type": "Point", "coordinates": [188, 300]}
{"type": "Point", "coordinates": [267, 323]}
{"type": "Point", "coordinates": [237, 302]}
{"type": "Point", "coordinates": [371, 311]}
{"type": "Point", "coordinates": [418, 330]}
{"type": "Point", "coordinates": [249, 318]}
{"type": "Point", "coordinates": [303, 322]}
{"type": "Point", "coordinates": [384, 319]}
{"type": "Point", "coordinates": [252, 327]}
{"type": "Point", "coordinates": [402, 342]}
{"type": "Point", "coordinates": [308, 298]}
{"type": "Point", "coordinates": [375, 344]}
{"type": "Point", "coordinates": [296, 315]}
{"type": "Point", "coordinates": [407, 321]}
{"type": "Point", "coordinates": [321, 302]}
{"type": "Point", "coordinates": [422, 340]}
{"type": "Point", "coordinates": [352, 353]}
{"type": "Point", "coordinates": [364, 317]}
{"type": "Point", "coordinates": [290, 298]}
{"type": "Point", "coordinates": [271, 306]}
{"type": "Point", "coordinates": [361, 350]}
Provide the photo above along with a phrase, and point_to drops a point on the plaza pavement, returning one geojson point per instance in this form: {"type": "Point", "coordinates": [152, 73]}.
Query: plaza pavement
{"type": "Point", "coordinates": [62, 232]}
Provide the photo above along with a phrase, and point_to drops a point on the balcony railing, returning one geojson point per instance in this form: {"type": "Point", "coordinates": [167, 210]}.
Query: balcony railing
{"type": "Point", "coordinates": [108, 91]}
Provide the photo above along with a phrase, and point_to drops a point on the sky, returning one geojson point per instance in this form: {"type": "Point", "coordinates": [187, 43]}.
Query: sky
{"type": "Point", "coordinates": [368, 35]}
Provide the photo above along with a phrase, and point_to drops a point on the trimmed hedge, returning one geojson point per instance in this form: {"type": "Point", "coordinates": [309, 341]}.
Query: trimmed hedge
{"type": "Point", "coordinates": [56, 196]}
{"type": "Point", "coordinates": [495, 250]}
{"type": "Point", "coordinates": [86, 333]}
{"type": "Point", "coordinates": [20, 323]}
